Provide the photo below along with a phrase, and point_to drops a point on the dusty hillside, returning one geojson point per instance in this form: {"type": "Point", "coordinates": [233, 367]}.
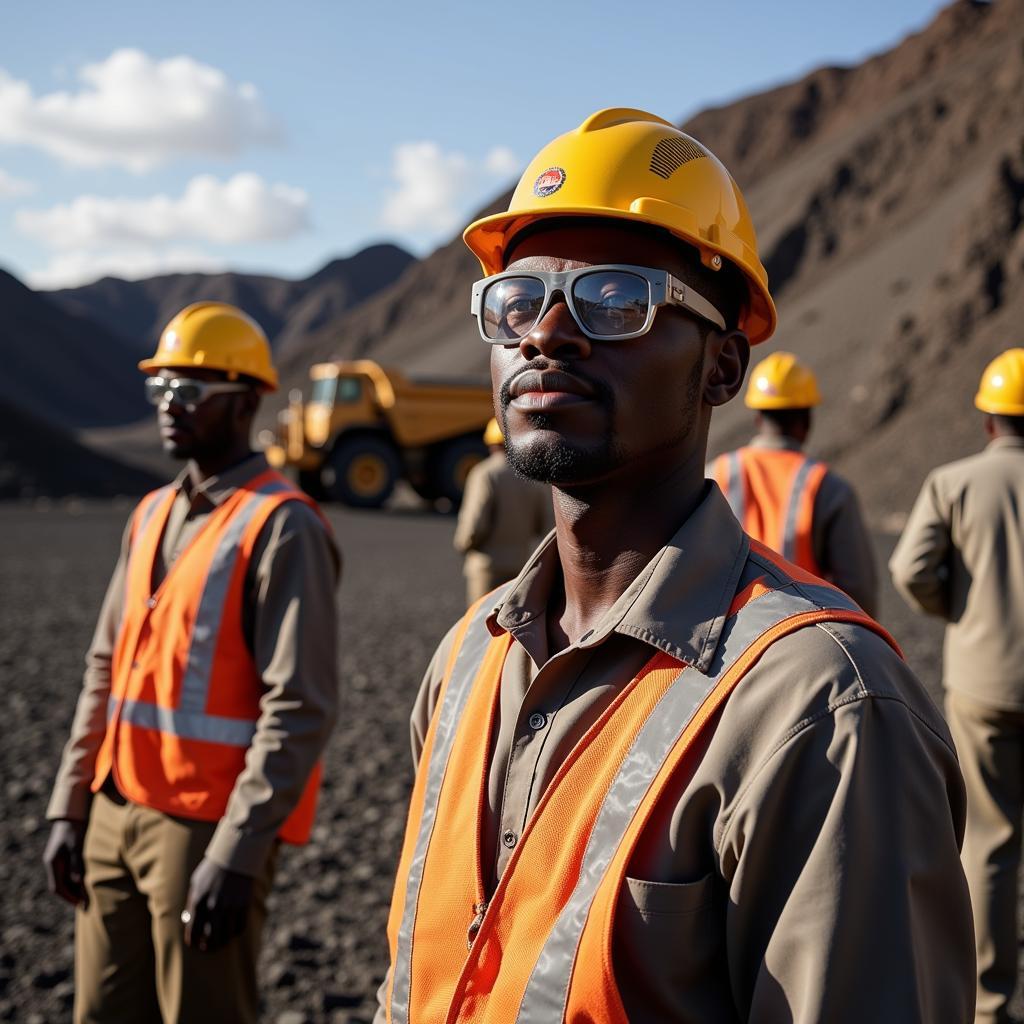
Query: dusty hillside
{"type": "Point", "coordinates": [138, 310]}
{"type": "Point", "coordinates": [885, 199]}
{"type": "Point", "coordinates": [38, 460]}
{"type": "Point", "coordinates": [62, 367]}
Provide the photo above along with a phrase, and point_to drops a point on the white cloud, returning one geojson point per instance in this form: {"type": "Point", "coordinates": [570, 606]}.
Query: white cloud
{"type": "Point", "coordinates": [244, 208]}
{"type": "Point", "coordinates": [137, 112]}
{"type": "Point", "coordinates": [433, 188]}
{"type": "Point", "coordinates": [13, 188]}
{"type": "Point", "coordinates": [502, 162]}
{"type": "Point", "coordinates": [70, 269]}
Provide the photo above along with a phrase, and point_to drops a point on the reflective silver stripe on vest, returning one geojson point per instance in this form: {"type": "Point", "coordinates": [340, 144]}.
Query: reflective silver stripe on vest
{"type": "Point", "coordinates": [467, 664]}
{"type": "Point", "coordinates": [231, 732]}
{"type": "Point", "coordinates": [195, 686]}
{"type": "Point", "coordinates": [734, 488]}
{"type": "Point", "coordinates": [547, 991]}
{"type": "Point", "coordinates": [793, 510]}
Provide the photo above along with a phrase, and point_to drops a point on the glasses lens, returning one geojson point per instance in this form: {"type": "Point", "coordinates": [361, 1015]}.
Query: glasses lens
{"type": "Point", "coordinates": [611, 303]}
{"type": "Point", "coordinates": [188, 392]}
{"type": "Point", "coordinates": [512, 306]}
{"type": "Point", "coordinates": [156, 388]}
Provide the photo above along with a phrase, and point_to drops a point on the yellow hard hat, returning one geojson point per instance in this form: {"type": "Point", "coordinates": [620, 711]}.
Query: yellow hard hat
{"type": "Point", "coordinates": [781, 381]}
{"type": "Point", "coordinates": [1002, 385]}
{"type": "Point", "coordinates": [215, 336]}
{"type": "Point", "coordinates": [631, 165]}
{"type": "Point", "coordinates": [493, 434]}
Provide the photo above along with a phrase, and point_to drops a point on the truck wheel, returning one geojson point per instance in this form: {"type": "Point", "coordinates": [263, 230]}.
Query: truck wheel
{"type": "Point", "coordinates": [310, 482]}
{"type": "Point", "coordinates": [452, 465]}
{"type": "Point", "coordinates": [362, 471]}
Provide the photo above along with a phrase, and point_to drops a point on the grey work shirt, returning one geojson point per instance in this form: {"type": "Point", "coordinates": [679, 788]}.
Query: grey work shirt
{"type": "Point", "coordinates": [809, 870]}
{"type": "Point", "coordinates": [961, 557]}
{"type": "Point", "coordinates": [840, 540]}
{"type": "Point", "coordinates": [502, 517]}
{"type": "Point", "coordinates": [289, 621]}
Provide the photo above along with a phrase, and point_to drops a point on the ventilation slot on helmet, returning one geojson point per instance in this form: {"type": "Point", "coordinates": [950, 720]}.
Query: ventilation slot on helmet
{"type": "Point", "coordinates": [670, 154]}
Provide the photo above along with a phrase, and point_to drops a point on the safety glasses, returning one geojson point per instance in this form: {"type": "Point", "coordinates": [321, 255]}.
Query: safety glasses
{"type": "Point", "coordinates": [186, 392]}
{"type": "Point", "coordinates": [609, 302]}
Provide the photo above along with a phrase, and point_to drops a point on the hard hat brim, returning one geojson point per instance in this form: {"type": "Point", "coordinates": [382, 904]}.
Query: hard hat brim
{"type": "Point", "coordinates": [997, 408]}
{"type": "Point", "coordinates": [488, 238]}
{"type": "Point", "coordinates": [779, 404]}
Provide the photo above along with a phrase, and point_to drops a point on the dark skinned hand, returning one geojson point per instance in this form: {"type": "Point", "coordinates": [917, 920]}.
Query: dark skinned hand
{"type": "Point", "coordinates": [62, 858]}
{"type": "Point", "coordinates": [217, 907]}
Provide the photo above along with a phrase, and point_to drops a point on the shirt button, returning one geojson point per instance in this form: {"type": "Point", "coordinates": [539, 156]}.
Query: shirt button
{"type": "Point", "coordinates": [537, 721]}
{"type": "Point", "coordinates": [509, 838]}
{"type": "Point", "coordinates": [151, 602]}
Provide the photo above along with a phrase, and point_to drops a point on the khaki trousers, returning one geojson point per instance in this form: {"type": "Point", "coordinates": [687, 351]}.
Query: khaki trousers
{"type": "Point", "coordinates": [131, 962]}
{"type": "Point", "coordinates": [990, 745]}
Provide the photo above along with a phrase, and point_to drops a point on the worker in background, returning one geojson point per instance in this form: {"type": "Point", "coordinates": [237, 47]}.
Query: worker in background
{"type": "Point", "coordinates": [209, 692]}
{"type": "Point", "coordinates": [961, 557]}
{"type": "Point", "coordinates": [502, 518]}
{"type": "Point", "coordinates": [663, 775]}
{"type": "Point", "coordinates": [795, 504]}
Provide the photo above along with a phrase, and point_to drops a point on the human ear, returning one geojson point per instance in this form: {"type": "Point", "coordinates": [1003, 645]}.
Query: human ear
{"type": "Point", "coordinates": [726, 356]}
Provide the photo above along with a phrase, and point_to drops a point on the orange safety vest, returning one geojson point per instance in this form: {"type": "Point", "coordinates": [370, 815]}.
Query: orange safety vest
{"type": "Point", "coordinates": [185, 692]}
{"type": "Point", "coordinates": [539, 949]}
{"type": "Point", "coordinates": [771, 491]}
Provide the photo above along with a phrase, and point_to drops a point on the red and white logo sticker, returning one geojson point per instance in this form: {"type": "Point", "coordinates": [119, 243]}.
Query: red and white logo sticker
{"type": "Point", "coordinates": [549, 182]}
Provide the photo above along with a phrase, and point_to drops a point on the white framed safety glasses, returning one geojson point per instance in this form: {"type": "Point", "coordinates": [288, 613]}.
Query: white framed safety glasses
{"type": "Point", "coordinates": [185, 391]}
{"type": "Point", "coordinates": [609, 302]}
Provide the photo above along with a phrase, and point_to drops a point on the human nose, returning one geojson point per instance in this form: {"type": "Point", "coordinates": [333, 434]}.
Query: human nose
{"type": "Point", "coordinates": [556, 335]}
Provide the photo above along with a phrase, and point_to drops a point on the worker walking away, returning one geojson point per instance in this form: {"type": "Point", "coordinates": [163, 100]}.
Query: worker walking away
{"type": "Point", "coordinates": [796, 505]}
{"type": "Point", "coordinates": [663, 775]}
{"type": "Point", "coordinates": [502, 518]}
{"type": "Point", "coordinates": [961, 557]}
{"type": "Point", "coordinates": [209, 692]}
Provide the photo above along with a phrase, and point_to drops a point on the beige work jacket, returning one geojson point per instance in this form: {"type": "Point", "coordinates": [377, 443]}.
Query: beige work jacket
{"type": "Point", "coordinates": [502, 518]}
{"type": "Point", "coordinates": [289, 620]}
{"type": "Point", "coordinates": [961, 557]}
{"type": "Point", "coordinates": [809, 870]}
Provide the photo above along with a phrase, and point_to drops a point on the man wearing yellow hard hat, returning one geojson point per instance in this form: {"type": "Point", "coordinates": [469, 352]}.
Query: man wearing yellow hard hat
{"type": "Point", "coordinates": [961, 557]}
{"type": "Point", "coordinates": [663, 775]}
{"type": "Point", "coordinates": [209, 692]}
{"type": "Point", "coordinates": [794, 504]}
{"type": "Point", "coordinates": [502, 517]}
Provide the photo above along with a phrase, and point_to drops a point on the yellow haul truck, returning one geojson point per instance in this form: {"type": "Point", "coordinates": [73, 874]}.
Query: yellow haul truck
{"type": "Point", "coordinates": [364, 428]}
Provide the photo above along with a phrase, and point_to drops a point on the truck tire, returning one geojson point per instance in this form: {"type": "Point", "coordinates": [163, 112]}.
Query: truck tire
{"type": "Point", "coordinates": [452, 463]}
{"type": "Point", "coordinates": [362, 471]}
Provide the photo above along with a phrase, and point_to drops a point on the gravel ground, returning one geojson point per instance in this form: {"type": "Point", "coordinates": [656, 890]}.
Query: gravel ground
{"type": "Point", "coordinates": [325, 950]}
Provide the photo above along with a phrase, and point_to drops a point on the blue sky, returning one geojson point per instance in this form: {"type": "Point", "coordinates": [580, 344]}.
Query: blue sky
{"type": "Point", "coordinates": [136, 138]}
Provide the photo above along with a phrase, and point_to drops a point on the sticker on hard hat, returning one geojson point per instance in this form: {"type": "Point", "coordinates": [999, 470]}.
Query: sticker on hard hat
{"type": "Point", "coordinates": [549, 182]}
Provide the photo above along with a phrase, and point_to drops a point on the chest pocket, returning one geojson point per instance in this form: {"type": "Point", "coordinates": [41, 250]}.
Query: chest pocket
{"type": "Point", "coordinates": [669, 951]}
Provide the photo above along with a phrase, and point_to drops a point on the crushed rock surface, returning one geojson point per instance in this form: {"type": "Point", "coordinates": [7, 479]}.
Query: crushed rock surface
{"type": "Point", "coordinates": [325, 948]}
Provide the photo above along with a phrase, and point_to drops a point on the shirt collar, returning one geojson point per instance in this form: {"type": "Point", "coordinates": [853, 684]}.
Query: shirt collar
{"type": "Point", "coordinates": [678, 603]}
{"type": "Point", "coordinates": [1006, 442]}
{"type": "Point", "coordinates": [777, 442]}
{"type": "Point", "coordinates": [217, 489]}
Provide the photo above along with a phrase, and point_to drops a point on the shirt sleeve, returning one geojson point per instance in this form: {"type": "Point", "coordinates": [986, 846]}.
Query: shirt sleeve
{"type": "Point", "coordinates": [846, 898]}
{"type": "Point", "coordinates": [476, 515]}
{"type": "Point", "coordinates": [842, 543]}
{"type": "Point", "coordinates": [919, 564]}
{"type": "Point", "coordinates": [292, 621]}
{"type": "Point", "coordinates": [72, 795]}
